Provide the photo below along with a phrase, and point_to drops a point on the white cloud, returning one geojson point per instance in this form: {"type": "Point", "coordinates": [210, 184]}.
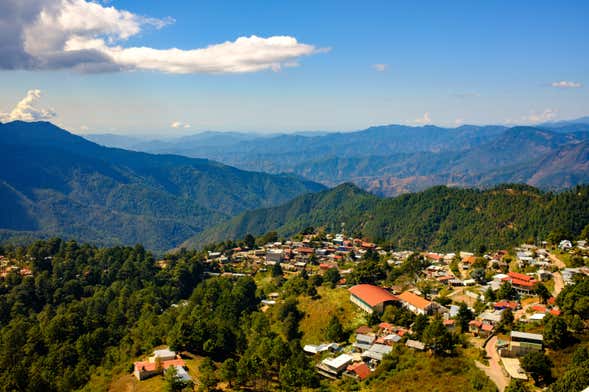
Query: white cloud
{"type": "Point", "coordinates": [380, 67]}
{"type": "Point", "coordinates": [27, 109]}
{"type": "Point", "coordinates": [179, 124]}
{"type": "Point", "coordinates": [459, 121]}
{"type": "Point", "coordinates": [535, 118]}
{"type": "Point", "coordinates": [89, 36]}
{"type": "Point", "coordinates": [566, 84]}
{"type": "Point", "coordinates": [422, 120]}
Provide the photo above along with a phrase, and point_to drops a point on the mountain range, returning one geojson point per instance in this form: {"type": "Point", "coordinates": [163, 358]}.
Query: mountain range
{"type": "Point", "coordinates": [395, 159]}
{"type": "Point", "coordinates": [54, 183]}
{"type": "Point", "coordinates": [440, 218]}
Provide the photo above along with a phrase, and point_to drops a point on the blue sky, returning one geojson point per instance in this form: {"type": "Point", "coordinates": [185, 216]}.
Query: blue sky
{"type": "Point", "coordinates": [442, 62]}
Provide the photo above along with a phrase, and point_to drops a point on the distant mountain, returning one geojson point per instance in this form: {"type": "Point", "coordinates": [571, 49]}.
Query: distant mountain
{"type": "Point", "coordinates": [112, 140]}
{"type": "Point", "coordinates": [439, 218]}
{"type": "Point", "coordinates": [394, 159]}
{"type": "Point", "coordinates": [56, 183]}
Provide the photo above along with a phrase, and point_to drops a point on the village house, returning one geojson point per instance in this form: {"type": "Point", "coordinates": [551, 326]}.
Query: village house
{"type": "Point", "coordinates": [522, 343]}
{"type": "Point", "coordinates": [158, 363]}
{"type": "Point", "coordinates": [522, 283]}
{"type": "Point", "coordinates": [333, 367]}
{"type": "Point", "coordinates": [371, 298]}
{"type": "Point", "coordinates": [358, 371]}
{"type": "Point", "coordinates": [415, 303]}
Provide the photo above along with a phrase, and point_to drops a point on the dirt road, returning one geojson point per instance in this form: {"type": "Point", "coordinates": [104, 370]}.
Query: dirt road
{"type": "Point", "coordinates": [558, 283]}
{"type": "Point", "coordinates": [556, 261]}
{"type": "Point", "coordinates": [494, 370]}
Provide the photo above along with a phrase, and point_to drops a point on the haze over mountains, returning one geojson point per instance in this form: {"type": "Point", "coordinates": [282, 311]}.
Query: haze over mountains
{"type": "Point", "coordinates": [55, 183]}
{"type": "Point", "coordinates": [394, 159]}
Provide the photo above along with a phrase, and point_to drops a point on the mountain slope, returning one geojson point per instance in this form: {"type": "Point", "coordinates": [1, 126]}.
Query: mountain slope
{"type": "Point", "coordinates": [439, 218]}
{"type": "Point", "coordinates": [57, 183]}
{"type": "Point", "coordinates": [395, 159]}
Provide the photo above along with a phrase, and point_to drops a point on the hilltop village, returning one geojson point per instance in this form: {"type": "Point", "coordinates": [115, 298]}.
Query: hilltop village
{"type": "Point", "coordinates": [500, 302]}
{"type": "Point", "coordinates": [357, 313]}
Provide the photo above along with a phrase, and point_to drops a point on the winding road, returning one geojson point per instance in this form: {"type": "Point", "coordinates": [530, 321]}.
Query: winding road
{"type": "Point", "coordinates": [494, 371]}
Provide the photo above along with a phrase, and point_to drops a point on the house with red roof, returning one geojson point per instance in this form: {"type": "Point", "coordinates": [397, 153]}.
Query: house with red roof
{"type": "Point", "coordinates": [522, 283]}
{"type": "Point", "coordinates": [358, 371]}
{"type": "Point", "coordinates": [157, 364]}
{"type": "Point", "coordinates": [415, 303]}
{"type": "Point", "coordinates": [371, 298]}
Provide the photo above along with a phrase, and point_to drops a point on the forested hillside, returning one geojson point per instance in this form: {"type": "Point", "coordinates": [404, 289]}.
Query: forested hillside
{"type": "Point", "coordinates": [56, 183]}
{"type": "Point", "coordinates": [440, 218]}
{"type": "Point", "coordinates": [86, 313]}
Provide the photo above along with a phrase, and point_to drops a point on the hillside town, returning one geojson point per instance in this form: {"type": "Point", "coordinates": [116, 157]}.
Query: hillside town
{"type": "Point", "coordinates": [499, 300]}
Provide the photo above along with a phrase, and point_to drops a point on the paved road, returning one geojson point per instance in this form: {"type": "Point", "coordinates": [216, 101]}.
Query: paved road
{"type": "Point", "coordinates": [494, 370]}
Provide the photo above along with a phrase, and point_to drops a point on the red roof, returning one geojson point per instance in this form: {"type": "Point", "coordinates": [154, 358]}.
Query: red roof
{"type": "Point", "coordinates": [476, 323]}
{"type": "Point", "coordinates": [516, 275]}
{"type": "Point", "coordinates": [152, 366]}
{"type": "Point", "coordinates": [539, 308]}
{"type": "Point", "coordinates": [414, 299]}
{"type": "Point", "coordinates": [361, 369]}
{"type": "Point", "coordinates": [524, 283]}
{"type": "Point", "coordinates": [364, 330]}
{"type": "Point", "coordinates": [372, 295]}
{"type": "Point", "coordinates": [505, 304]}
{"type": "Point", "coordinates": [555, 312]}
{"type": "Point", "coordinates": [305, 250]}
{"type": "Point", "coordinates": [487, 327]}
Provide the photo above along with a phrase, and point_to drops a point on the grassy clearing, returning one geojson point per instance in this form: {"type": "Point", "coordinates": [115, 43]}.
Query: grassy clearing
{"type": "Point", "coordinates": [416, 371]}
{"type": "Point", "coordinates": [125, 382]}
{"type": "Point", "coordinates": [319, 311]}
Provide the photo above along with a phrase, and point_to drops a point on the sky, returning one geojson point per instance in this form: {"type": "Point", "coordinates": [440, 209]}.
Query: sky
{"type": "Point", "coordinates": [181, 67]}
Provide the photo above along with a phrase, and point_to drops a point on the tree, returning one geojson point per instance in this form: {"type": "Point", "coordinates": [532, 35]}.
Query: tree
{"type": "Point", "coordinates": [332, 276]}
{"type": "Point", "coordinates": [556, 334]}
{"type": "Point", "coordinates": [335, 331]}
{"type": "Point", "coordinates": [420, 324]}
{"type": "Point", "coordinates": [173, 382]}
{"type": "Point", "coordinates": [581, 356]}
{"type": "Point", "coordinates": [506, 291]}
{"type": "Point", "coordinates": [574, 379]}
{"type": "Point", "coordinates": [538, 365]}
{"type": "Point", "coordinates": [518, 386]}
{"type": "Point", "coordinates": [277, 270]}
{"type": "Point", "coordinates": [228, 371]}
{"type": "Point", "coordinates": [208, 378]}
{"type": "Point", "coordinates": [437, 337]}
{"type": "Point", "coordinates": [542, 292]}
{"type": "Point", "coordinates": [250, 241]}
{"type": "Point", "coordinates": [297, 373]}
{"type": "Point", "coordinates": [464, 316]}
{"type": "Point", "coordinates": [507, 320]}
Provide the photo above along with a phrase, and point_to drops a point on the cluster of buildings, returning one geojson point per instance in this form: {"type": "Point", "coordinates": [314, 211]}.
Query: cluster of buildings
{"type": "Point", "coordinates": [8, 266]}
{"type": "Point", "coordinates": [361, 358]}
{"type": "Point", "coordinates": [298, 255]}
{"type": "Point", "coordinates": [159, 363]}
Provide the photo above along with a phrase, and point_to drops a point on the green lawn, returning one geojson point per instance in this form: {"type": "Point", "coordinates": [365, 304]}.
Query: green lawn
{"type": "Point", "coordinates": [319, 311]}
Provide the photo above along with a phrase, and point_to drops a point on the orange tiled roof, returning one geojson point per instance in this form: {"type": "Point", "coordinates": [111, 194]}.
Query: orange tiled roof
{"type": "Point", "coordinates": [517, 275]}
{"type": "Point", "coordinates": [361, 369]}
{"type": "Point", "coordinates": [414, 299]}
